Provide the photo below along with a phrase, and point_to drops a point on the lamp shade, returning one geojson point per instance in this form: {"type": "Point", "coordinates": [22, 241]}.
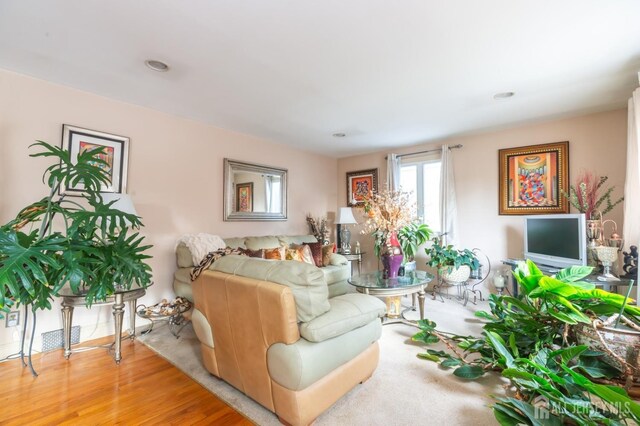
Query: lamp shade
{"type": "Point", "coordinates": [345, 217]}
{"type": "Point", "coordinates": [123, 202]}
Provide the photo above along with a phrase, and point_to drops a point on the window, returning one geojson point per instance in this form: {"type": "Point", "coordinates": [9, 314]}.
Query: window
{"type": "Point", "coordinates": [422, 180]}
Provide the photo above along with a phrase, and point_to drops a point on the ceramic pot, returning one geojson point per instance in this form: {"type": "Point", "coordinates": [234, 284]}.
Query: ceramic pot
{"type": "Point", "coordinates": [455, 276]}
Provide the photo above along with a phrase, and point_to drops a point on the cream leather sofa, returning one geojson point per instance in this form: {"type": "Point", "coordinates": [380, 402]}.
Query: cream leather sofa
{"type": "Point", "coordinates": [335, 274]}
{"type": "Point", "coordinates": [270, 329]}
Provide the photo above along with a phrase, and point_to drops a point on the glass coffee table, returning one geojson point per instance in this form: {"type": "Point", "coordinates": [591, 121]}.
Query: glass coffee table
{"type": "Point", "coordinates": [414, 282]}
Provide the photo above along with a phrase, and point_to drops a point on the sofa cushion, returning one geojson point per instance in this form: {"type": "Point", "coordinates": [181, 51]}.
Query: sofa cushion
{"type": "Point", "coordinates": [235, 242]}
{"type": "Point", "coordinates": [277, 253]}
{"type": "Point", "coordinates": [287, 240]}
{"type": "Point", "coordinates": [333, 273]}
{"type": "Point", "coordinates": [316, 252]}
{"type": "Point", "coordinates": [307, 283]}
{"type": "Point", "coordinates": [299, 365]}
{"type": "Point", "coordinates": [266, 242]}
{"type": "Point", "coordinates": [327, 252]}
{"type": "Point", "coordinates": [348, 312]}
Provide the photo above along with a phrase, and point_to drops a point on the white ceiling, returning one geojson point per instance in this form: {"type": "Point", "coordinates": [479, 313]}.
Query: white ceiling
{"type": "Point", "coordinates": [387, 73]}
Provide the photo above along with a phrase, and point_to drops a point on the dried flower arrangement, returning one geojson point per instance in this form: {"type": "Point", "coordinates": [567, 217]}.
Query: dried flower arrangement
{"type": "Point", "coordinates": [319, 228]}
{"type": "Point", "coordinates": [584, 195]}
{"type": "Point", "coordinates": [387, 212]}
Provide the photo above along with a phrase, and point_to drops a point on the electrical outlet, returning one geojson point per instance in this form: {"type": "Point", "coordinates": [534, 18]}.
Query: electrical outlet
{"type": "Point", "coordinates": [13, 319]}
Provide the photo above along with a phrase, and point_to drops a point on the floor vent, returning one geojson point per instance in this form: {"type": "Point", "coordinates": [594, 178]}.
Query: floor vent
{"type": "Point", "coordinates": [55, 339]}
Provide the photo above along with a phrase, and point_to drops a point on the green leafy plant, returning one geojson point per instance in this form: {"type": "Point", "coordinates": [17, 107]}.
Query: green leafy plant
{"type": "Point", "coordinates": [529, 340]}
{"type": "Point", "coordinates": [90, 246]}
{"type": "Point", "coordinates": [411, 237]}
{"type": "Point", "coordinates": [447, 256]}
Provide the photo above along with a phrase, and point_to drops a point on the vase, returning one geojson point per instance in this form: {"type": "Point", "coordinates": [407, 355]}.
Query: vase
{"type": "Point", "coordinates": [391, 256]}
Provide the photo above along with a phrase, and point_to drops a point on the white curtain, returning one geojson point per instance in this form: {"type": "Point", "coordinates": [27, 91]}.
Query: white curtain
{"type": "Point", "coordinates": [393, 172]}
{"type": "Point", "coordinates": [448, 207]}
{"type": "Point", "coordinates": [631, 229]}
{"type": "Point", "coordinates": [268, 191]}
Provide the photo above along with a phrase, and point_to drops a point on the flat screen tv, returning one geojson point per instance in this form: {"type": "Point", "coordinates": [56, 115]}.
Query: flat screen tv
{"type": "Point", "coordinates": [556, 240]}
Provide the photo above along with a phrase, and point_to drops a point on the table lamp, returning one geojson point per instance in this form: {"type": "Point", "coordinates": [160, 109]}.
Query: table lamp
{"type": "Point", "coordinates": [345, 218]}
{"type": "Point", "coordinates": [123, 202]}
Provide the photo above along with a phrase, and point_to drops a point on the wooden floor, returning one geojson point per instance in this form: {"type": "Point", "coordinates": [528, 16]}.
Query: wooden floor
{"type": "Point", "coordinates": [90, 389]}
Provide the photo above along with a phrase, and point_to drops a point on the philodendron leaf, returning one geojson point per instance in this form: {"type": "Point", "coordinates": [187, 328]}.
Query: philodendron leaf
{"type": "Point", "coordinates": [597, 368]}
{"type": "Point", "coordinates": [451, 362]}
{"type": "Point", "coordinates": [574, 273]}
{"type": "Point", "coordinates": [498, 344]}
{"type": "Point", "coordinates": [569, 353]}
{"type": "Point", "coordinates": [507, 416]}
{"type": "Point", "coordinates": [429, 357]}
{"type": "Point", "coordinates": [469, 371]}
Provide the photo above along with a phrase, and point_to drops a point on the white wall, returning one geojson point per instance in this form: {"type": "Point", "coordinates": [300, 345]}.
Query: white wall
{"type": "Point", "coordinates": [174, 177]}
{"type": "Point", "coordinates": [597, 142]}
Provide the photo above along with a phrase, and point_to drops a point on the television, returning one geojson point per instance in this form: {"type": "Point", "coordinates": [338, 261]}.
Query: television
{"type": "Point", "coordinates": [556, 240]}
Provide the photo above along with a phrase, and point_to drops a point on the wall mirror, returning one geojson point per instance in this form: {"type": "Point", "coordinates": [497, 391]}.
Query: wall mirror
{"type": "Point", "coordinates": [254, 192]}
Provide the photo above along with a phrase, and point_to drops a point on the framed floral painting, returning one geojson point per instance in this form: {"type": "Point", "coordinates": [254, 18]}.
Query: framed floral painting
{"type": "Point", "coordinates": [115, 154]}
{"type": "Point", "coordinates": [244, 197]}
{"type": "Point", "coordinates": [532, 178]}
{"type": "Point", "coordinates": [359, 184]}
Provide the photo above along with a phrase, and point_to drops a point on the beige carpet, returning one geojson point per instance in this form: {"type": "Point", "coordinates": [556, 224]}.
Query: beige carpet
{"type": "Point", "coordinates": [404, 390]}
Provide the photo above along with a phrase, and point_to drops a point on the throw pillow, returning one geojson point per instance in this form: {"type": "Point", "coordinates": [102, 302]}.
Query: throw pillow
{"type": "Point", "coordinates": [327, 251]}
{"type": "Point", "coordinates": [274, 253]}
{"type": "Point", "coordinates": [307, 256]}
{"type": "Point", "coordinates": [316, 252]}
{"type": "Point", "coordinates": [294, 254]}
{"type": "Point", "coordinates": [254, 253]}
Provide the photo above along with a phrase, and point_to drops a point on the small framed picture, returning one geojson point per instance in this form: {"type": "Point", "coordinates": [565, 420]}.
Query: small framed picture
{"type": "Point", "coordinates": [532, 178]}
{"type": "Point", "coordinates": [115, 154]}
{"type": "Point", "coordinates": [244, 197]}
{"type": "Point", "coordinates": [359, 185]}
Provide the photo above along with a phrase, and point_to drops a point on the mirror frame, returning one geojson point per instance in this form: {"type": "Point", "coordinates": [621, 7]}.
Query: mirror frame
{"type": "Point", "coordinates": [230, 215]}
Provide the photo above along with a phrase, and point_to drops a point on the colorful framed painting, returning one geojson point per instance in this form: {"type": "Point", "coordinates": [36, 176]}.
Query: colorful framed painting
{"type": "Point", "coordinates": [532, 179]}
{"type": "Point", "coordinates": [244, 197]}
{"type": "Point", "coordinates": [359, 184]}
{"type": "Point", "coordinates": [115, 154]}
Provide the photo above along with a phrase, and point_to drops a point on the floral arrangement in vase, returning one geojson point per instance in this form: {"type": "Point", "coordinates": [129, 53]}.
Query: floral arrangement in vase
{"type": "Point", "coordinates": [584, 195]}
{"type": "Point", "coordinates": [388, 212]}
{"type": "Point", "coordinates": [319, 228]}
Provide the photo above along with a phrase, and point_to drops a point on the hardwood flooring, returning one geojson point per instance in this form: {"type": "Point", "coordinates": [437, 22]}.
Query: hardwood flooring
{"type": "Point", "coordinates": [90, 389]}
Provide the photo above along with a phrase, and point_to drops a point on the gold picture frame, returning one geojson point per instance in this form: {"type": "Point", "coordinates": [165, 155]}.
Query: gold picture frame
{"type": "Point", "coordinates": [531, 179]}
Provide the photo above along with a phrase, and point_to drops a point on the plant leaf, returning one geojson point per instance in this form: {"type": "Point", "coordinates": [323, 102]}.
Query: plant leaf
{"type": "Point", "coordinates": [469, 371]}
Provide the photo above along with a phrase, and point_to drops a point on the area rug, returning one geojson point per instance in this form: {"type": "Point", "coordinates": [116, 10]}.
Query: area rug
{"type": "Point", "coordinates": [404, 389]}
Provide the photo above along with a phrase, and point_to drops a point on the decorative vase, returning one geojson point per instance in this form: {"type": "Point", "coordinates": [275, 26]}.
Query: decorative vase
{"type": "Point", "coordinates": [391, 256]}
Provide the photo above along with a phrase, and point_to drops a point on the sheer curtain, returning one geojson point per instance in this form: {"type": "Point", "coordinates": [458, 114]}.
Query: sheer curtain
{"type": "Point", "coordinates": [393, 172]}
{"type": "Point", "coordinates": [448, 207]}
{"type": "Point", "coordinates": [632, 182]}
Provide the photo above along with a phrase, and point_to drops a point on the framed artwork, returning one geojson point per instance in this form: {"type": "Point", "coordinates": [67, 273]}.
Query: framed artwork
{"type": "Point", "coordinates": [532, 178]}
{"type": "Point", "coordinates": [359, 184]}
{"type": "Point", "coordinates": [244, 197]}
{"type": "Point", "coordinates": [116, 154]}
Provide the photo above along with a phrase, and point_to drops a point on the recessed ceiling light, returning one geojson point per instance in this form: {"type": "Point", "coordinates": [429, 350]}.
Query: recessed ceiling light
{"type": "Point", "coordinates": [339, 135]}
{"type": "Point", "coordinates": [157, 65]}
{"type": "Point", "coordinates": [503, 95]}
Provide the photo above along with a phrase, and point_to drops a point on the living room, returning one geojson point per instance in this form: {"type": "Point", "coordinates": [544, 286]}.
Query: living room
{"type": "Point", "coordinates": [175, 158]}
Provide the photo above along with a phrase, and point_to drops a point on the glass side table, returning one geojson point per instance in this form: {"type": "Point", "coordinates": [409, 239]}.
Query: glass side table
{"type": "Point", "coordinates": [70, 300]}
{"type": "Point", "coordinates": [414, 282]}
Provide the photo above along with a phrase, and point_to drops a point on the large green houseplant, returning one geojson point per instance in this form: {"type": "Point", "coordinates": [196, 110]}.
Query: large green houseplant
{"type": "Point", "coordinates": [411, 237]}
{"type": "Point", "coordinates": [530, 340]}
{"type": "Point", "coordinates": [81, 242]}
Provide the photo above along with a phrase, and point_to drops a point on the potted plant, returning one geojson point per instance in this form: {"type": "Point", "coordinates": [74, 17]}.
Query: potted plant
{"type": "Point", "coordinates": [411, 237]}
{"type": "Point", "coordinates": [91, 246]}
{"type": "Point", "coordinates": [454, 265]}
{"type": "Point", "coordinates": [532, 341]}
